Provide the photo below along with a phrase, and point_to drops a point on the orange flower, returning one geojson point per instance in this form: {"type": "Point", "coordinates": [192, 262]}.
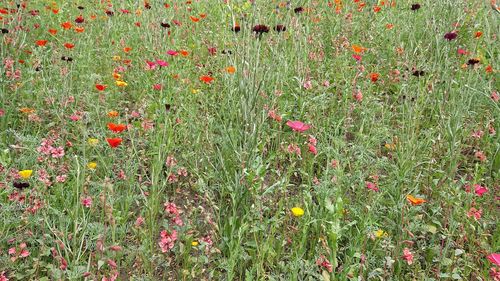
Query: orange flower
{"type": "Point", "coordinates": [184, 53]}
{"type": "Point", "coordinates": [374, 77]}
{"type": "Point", "coordinates": [230, 69]}
{"type": "Point", "coordinates": [79, 29]}
{"type": "Point", "coordinates": [27, 110]}
{"type": "Point", "coordinates": [203, 16]}
{"type": "Point", "coordinates": [415, 201]}
{"type": "Point", "coordinates": [41, 43]}
{"type": "Point", "coordinates": [489, 69]}
{"type": "Point", "coordinates": [69, 45]}
{"type": "Point", "coordinates": [127, 49]}
{"type": "Point", "coordinates": [66, 25]}
{"type": "Point", "coordinates": [206, 79]}
{"type": "Point", "coordinates": [53, 31]}
{"type": "Point", "coordinates": [358, 49]}
{"type": "Point", "coordinates": [113, 114]}
{"type": "Point", "coordinates": [194, 19]}
{"type": "Point", "coordinates": [389, 26]}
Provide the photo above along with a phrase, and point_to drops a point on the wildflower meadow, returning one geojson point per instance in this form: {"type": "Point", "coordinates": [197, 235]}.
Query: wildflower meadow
{"type": "Point", "coordinates": [249, 140]}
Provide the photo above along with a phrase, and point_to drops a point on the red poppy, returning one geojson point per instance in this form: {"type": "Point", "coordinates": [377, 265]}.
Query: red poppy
{"type": "Point", "coordinates": [53, 31]}
{"type": "Point", "coordinates": [117, 128]}
{"type": "Point", "coordinates": [41, 43]}
{"type": "Point", "coordinates": [206, 79]}
{"type": "Point", "coordinates": [69, 45]}
{"type": "Point", "coordinates": [100, 87]}
{"type": "Point", "coordinates": [114, 142]}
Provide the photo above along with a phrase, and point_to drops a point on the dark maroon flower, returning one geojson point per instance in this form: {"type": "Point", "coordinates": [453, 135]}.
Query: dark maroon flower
{"type": "Point", "coordinates": [79, 19]}
{"type": "Point", "coordinates": [34, 12]}
{"type": "Point", "coordinates": [236, 28]}
{"type": "Point", "coordinates": [165, 25]}
{"type": "Point", "coordinates": [110, 13]}
{"type": "Point", "coordinates": [418, 73]}
{"type": "Point", "coordinates": [4, 30]}
{"type": "Point", "coordinates": [280, 28]}
{"type": "Point", "coordinates": [298, 10]}
{"type": "Point", "coordinates": [472, 61]}
{"type": "Point", "coordinates": [147, 5]}
{"type": "Point", "coordinates": [450, 36]}
{"type": "Point", "coordinates": [80, 7]}
{"type": "Point", "coordinates": [415, 7]}
{"type": "Point", "coordinates": [260, 29]}
{"type": "Point", "coordinates": [20, 185]}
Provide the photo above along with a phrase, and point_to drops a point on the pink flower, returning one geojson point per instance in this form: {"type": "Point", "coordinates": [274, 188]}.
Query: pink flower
{"type": "Point", "coordinates": [358, 96]}
{"type": "Point", "coordinates": [167, 240]}
{"type": "Point", "coordinates": [298, 126]}
{"type": "Point", "coordinates": [495, 97]}
{"type": "Point", "coordinates": [493, 274]}
{"type": "Point", "coordinates": [480, 190]}
{"type": "Point", "coordinates": [61, 178]}
{"type": "Point", "coordinates": [371, 186]}
{"type": "Point", "coordinates": [461, 51]}
{"type": "Point", "coordinates": [307, 85]}
{"type": "Point", "coordinates": [171, 161]}
{"type": "Point", "coordinates": [3, 277]}
{"type": "Point", "coordinates": [139, 221]}
{"type": "Point", "coordinates": [312, 149]}
{"type": "Point", "coordinates": [157, 87]}
{"type": "Point", "coordinates": [57, 152]}
{"type": "Point", "coordinates": [480, 156]}
{"type": "Point", "coordinates": [2, 112]}
{"type": "Point", "coordinates": [171, 208]}
{"type": "Point", "coordinates": [473, 212]}
{"type": "Point", "coordinates": [294, 149]}
{"type": "Point", "coordinates": [323, 262]}
{"type": "Point", "coordinates": [477, 134]}
{"type": "Point", "coordinates": [273, 115]}
{"type": "Point", "coordinates": [313, 140]}
{"type": "Point", "coordinates": [357, 57]}
{"type": "Point", "coordinates": [87, 202]}
{"type": "Point", "coordinates": [494, 258]}
{"type": "Point", "coordinates": [326, 83]}
{"type": "Point", "coordinates": [408, 256]}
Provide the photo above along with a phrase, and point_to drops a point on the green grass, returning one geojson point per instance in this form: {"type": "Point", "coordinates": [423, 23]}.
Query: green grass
{"type": "Point", "coordinates": [410, 135]}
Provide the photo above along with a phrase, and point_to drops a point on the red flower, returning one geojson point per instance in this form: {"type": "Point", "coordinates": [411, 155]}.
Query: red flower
{"type": "Point", "coordinates": [100, 87]}
{"type": "Point", "coordinates": [116, 128]}
{"type": "Point", "coordinates": [206, 79]}
{"type": "Point", "coordinates": [41, 43]}
{"type": "Point", "coordinates": [114, 142]}
{"type": "Point", "coordinates": [69, 45]}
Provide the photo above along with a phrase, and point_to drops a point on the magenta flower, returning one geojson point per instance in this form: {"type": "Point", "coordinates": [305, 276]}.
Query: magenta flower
{"type": "Point", "coordinates": [162, 63]}
{"type": "Point", "coordinates": [480, 190]}
{"type": "Point", "coordinates": [298, 126]}
{"type": "Point", "coordinates": [172, 53]}
{"type": "Point", "coordinates": [87, 202]}
{"type": "Point", "coordinates": [494, 258]}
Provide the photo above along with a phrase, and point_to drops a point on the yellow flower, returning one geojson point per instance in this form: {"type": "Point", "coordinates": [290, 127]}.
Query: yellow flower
{"type": "Point", "coordinates": [297, 212]}
{"type": "Point", "coordinates": [92, 165]}
{"type": "Point", "coordinates": [195, 91]}
{"type": "Point", "coordinates": [121, 83]}
{"type": "Point", "coordinates": [116, 58]}
{"type": "Point", "coordinates": [194, 243]}
{"type": "Point", "coordinates": [25, 174]}
{"type": "Point", "coordinates": [92, 141]}
{"type": "Point", "coordinates": [380, 233]}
